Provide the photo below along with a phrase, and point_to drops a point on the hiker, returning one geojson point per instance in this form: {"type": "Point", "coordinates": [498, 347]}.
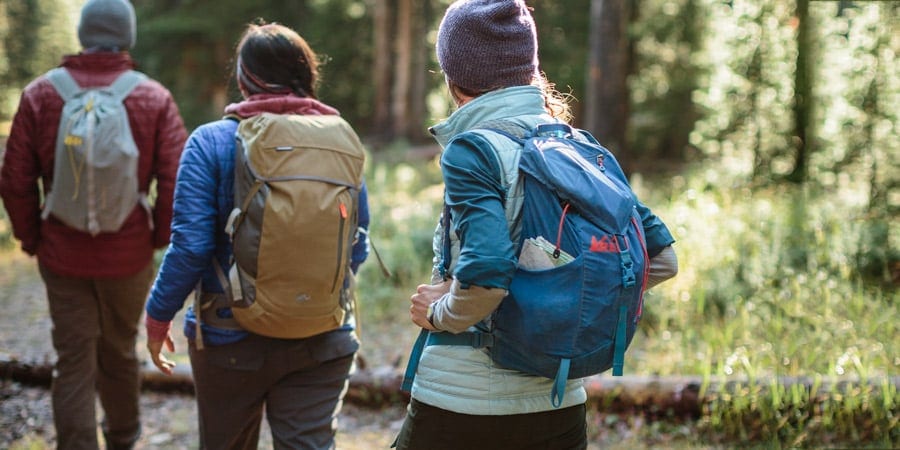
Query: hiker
{"type": "Point", "coordinates": [97, 274]}
{"type": "Point", "coordinates": [460, 398]}
{"type": "Point", "coordinates": [298, 381]}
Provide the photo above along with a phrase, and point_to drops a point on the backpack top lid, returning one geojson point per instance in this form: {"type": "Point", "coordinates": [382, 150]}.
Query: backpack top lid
{"type": "Point", "coordinates": [558, 161]}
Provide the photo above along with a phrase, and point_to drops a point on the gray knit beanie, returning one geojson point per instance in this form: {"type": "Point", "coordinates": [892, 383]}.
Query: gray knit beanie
{"type": "Point", "coordinates": [107, 24]}
{"type": "Point", "coordinates": [484, 45]}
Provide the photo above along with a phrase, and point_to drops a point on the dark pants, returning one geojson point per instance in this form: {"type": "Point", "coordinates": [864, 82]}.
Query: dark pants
{"type": "Point", "coordinates": [94, 333]}
{"type": "Point", "coordinates": [430, 428]}
{"type": "Point", "coordinates": [300, 383]}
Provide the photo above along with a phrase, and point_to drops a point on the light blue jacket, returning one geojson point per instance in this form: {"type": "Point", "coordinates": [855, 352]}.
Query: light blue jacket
{"type": "Point", "coordinates": [484, 193]}
{"type": "Point", "coordinates": [479, 182]}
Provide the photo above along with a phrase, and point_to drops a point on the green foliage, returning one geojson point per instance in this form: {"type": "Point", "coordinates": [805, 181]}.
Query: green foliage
{"type": "Point", "coordinates": [741, 290]}
{"type": "Point", "coordinates": [746, 99]}
{"type": "Point", "coordinates": [405, 204]}
{"type": "Point", "coordinates": [563, 44]}
{"type": "Point", "coordinates": [804, 414]}
{"type": "Point", "coordinates": [669, 66]}
{"type": "Point", "coordinates": [199, 69]}
{"type": "Point", "coordinates": [34, 34]}
{"type": "Point", "coordinates": [6, 235]}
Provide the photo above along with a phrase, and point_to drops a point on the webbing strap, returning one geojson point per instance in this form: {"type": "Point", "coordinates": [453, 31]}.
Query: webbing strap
{"type": "Point", "coordinates": [125, 84]}
{"type": "Point", "coordinates": [67, 87]}
{"type": "Point", "coordinates": [472, 339]}
{"type": "Point", "coordinates": [64, 84]}
{"type": "Point", "coordinates": [413, 364]}
{"type": "Point", "coordinates": [628, 281]}
{"type": "Point", "coordinates": [559, 383]}
{"type": "Point", "coordinates": [446, 246]}
{"type": "Point", "coordinates": [619, 355]}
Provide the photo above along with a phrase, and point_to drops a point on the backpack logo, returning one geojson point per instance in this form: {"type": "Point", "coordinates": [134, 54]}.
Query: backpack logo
{"type": "Point", "coordinates": [604, 244]}
{"type": "Point", "coordinates": [95, 186]}
{"type": "Point", "coordinates": [297, 182]}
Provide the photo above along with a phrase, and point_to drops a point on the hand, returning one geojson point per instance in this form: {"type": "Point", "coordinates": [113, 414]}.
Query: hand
{"type": "Point", "coordinates": [425, 295]}
{"type": "Point", "coordinates": [159, 360]}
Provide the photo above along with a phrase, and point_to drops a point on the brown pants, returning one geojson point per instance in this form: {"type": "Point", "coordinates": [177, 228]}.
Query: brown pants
{"type": "Point", "coordinates": [94, 333]}
{"type": "Point", "coordinates": [299, 382]}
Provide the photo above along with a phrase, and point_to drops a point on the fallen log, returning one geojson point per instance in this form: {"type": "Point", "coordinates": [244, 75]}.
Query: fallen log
{"type": "Point", "coordinates": [655, 396]}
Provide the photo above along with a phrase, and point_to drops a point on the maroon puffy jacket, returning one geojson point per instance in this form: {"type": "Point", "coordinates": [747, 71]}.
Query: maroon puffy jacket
{"type": "Point", "coordinates": [159, 134]}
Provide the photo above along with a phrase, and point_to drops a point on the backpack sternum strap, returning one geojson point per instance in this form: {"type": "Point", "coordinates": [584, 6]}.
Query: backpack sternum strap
{"type": "Point", "coordinates": [627, 264]}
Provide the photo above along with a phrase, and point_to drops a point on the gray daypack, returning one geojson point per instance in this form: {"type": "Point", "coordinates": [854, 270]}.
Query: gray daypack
{"type": "Point", "coordinates": [95, 186]}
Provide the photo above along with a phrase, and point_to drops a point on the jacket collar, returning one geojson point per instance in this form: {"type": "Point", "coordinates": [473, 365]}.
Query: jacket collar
{"type": "Point", "coordinates": [99, 62]}
{"type": "Point", "coordinates": [500, 104]}
{"type": "Point", "coordinates": [278, 104]}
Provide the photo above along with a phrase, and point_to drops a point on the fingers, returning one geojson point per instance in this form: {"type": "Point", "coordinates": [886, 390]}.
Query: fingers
{"type": "Point", "coordinates": [159, 360]}
{"type": "Point", "coordinates": [418, 311]}
{"type": "Point", "coordinates": [164, 365]}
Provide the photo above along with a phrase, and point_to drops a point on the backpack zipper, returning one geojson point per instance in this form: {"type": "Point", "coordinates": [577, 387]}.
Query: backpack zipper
{"type": "Point", "coordinates": [562, 218]}
{"type": "Point", "coordinates": [340, 250]}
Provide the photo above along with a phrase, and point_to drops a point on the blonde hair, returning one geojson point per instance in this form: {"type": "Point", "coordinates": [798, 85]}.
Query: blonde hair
{"type": "Point", "coordinates": [555, 103]}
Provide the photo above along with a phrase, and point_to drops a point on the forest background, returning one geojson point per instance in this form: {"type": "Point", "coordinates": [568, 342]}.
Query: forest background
{"type": "Point", "coordinates": [764, 133]}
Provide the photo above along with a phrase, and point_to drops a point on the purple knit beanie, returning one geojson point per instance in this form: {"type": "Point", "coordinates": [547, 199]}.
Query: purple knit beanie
{"type": "Point", "coordinates": [484, 45]}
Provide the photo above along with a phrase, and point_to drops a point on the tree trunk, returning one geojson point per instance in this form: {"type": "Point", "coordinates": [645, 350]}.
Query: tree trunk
{"type": "Point", "coordinates": [607, 100]}
{"type": "Point", "coordinates": [403, 49]}
{"type": "Point", "coordinates": [803, 93]}
{"type": "Point", "coordinates": [376, 387]}
{"type": "Point", "coordinates": [416, 132]}
{"type": "Point", "coordinates": [381, 72]}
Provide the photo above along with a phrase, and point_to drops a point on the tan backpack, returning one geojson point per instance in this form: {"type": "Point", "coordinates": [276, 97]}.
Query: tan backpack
{"type": "Point", "coordinates": [297, 182]}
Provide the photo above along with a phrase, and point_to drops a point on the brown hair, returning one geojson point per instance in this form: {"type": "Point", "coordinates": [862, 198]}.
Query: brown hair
{"type": "Point", "coordinates": [272, 58]}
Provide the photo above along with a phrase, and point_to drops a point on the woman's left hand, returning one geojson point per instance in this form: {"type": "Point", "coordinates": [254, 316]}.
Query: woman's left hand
{"type": "Point", "coordinates": [425, 295]}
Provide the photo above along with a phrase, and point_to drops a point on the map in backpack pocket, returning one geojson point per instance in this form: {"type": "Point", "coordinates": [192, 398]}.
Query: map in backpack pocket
{"type": "Point", "coordinates": [537, 254]}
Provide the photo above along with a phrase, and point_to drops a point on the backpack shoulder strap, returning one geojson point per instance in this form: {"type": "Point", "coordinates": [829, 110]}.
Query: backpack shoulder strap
{"type": "Point", "coordinates": [63, 82]}
{"type": "Point", "coordinates": [125, 84]}
{"type": "Point", "coordinates": [508, 128]}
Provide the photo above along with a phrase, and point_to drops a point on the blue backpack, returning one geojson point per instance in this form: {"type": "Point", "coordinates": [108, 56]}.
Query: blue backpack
{"type": "Point", "coordinates": [576, 297]}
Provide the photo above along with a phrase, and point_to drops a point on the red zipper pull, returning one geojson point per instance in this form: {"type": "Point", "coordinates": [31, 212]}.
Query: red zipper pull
{"type": "Point", "coordinates": [562, 218]}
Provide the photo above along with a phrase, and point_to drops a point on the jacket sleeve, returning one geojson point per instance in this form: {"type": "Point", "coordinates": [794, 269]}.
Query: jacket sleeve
{"type": "Point", "coordinates": [656, 234]}
{"type": "Point", "coordinates": [361, 246]}
{"type": "Point", "coordinates": [170, 140]}
{"type": "Point", "coordinates": [19, 177]}
{"type": "Point", "coordinates": [474, 193]}
{"type": "Point", "coordinates": [193, 229]}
